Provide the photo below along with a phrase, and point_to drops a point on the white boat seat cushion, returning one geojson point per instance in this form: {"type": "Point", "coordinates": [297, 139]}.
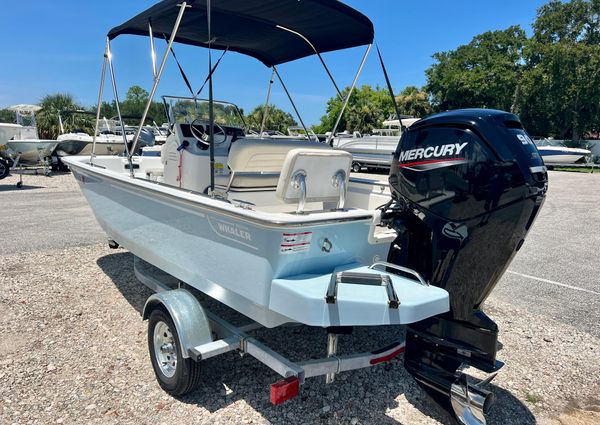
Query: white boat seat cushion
{"type": "Point", "coordinates": [256, 163]}
{"type": "Point", "coordinates": [320, 168]}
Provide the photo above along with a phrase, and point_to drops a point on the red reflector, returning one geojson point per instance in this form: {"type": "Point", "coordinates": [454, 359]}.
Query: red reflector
{"type": "Point", "coordinates": [284, 390]}
{"type": "Point", "coordinates": [390, 356]}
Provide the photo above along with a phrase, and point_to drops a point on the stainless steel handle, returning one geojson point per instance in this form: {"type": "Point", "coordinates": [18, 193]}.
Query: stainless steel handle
{"type": "Point", "coordinates": [400, 268]}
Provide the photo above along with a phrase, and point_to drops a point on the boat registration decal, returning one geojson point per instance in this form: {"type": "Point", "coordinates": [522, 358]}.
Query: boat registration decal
{"type": "Point", "coordinates": [294, 243]}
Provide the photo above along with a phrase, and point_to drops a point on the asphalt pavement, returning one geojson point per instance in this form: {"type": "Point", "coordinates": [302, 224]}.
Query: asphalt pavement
{"type": "Point", "coordinates": [556, 273]}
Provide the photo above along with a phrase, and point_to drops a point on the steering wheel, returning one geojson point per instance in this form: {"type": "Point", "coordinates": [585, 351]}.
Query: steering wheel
{"type": "Point", "coordinates": [203, 137]}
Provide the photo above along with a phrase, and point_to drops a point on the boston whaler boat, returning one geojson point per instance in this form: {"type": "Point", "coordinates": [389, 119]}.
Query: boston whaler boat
{"type": "Point", "coordinates": [279, 232]}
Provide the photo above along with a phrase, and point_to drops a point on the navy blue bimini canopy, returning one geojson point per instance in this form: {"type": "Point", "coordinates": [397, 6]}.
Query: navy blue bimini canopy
{"type": "Point", "coordinates": [250, 26]}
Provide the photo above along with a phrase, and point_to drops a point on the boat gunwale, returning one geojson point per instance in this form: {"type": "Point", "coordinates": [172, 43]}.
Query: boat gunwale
{"type": "Point", "coordinates": [260, 218]}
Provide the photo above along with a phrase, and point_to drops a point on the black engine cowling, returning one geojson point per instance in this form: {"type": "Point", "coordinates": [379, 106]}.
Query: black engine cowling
{"type": "Point", "coordinates": [467, 186]}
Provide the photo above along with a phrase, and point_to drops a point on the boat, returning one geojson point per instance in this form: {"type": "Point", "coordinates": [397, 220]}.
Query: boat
{"type": "Point", "coordinates": [375, 150]}
{"type": "Point", "coordinates": [368, 151]}
{"type": "Point", "coordinates": [109, 139]}
{"type": "Point", "coordinates": [557, 153]}
{"type": "Point", "coordinates": [79, 142]}
{"type": "Point", "coordinates": [280, 232]}
{"type": "Point", "coordinates": [24, 146]}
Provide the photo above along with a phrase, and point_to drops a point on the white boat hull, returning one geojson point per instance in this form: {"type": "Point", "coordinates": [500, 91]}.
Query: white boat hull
{"type": "Point", "coordinates": [369, 150]}
{"type": "Point", "coordinates": [561, 159]}
{"type": "Point", "coordinates": [558, 155]}
{"type": "Point", "coordinates": [31, 151]}
{"type": "Point", "coordinates": [243, 260]}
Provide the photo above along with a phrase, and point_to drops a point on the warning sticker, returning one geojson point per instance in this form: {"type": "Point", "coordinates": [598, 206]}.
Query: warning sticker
{"type": "Point", "coordinates": [293, 243]}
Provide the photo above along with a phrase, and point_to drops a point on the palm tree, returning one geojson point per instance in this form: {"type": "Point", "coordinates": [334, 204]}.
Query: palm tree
{"type": "Point", "coordinates": [47, 119]}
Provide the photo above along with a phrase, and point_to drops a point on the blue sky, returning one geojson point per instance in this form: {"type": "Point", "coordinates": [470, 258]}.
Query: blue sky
{"type": "Point", "coordinates": [57, 46]}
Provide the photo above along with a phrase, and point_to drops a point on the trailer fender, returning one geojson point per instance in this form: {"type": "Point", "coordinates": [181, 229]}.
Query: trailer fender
{"type": "Point", "coordinates": [188, 315]}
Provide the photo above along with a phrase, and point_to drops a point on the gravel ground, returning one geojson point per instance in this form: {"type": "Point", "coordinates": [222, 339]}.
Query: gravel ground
{"type": "Point", "coordinates": [74, 350]}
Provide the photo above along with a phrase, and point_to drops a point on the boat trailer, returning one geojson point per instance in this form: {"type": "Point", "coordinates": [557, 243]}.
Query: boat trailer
{"type": "Point", "coordinates": [238, 338]}
{"type": "Point", "coordinates": [203, 334]}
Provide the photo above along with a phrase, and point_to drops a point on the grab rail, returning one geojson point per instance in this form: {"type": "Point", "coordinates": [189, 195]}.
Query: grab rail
{"type": "Point", "coordinates": [400, 268]}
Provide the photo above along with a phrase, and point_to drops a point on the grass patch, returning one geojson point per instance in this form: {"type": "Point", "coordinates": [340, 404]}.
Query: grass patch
{"type": "Point", "coordinates": [578, 169]}
{"type": "Point", "coordinates": [533, 399]}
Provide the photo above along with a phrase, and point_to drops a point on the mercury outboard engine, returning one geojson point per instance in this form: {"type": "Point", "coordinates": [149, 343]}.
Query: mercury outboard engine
{"type": "Point", "coordinates": [467, 186]}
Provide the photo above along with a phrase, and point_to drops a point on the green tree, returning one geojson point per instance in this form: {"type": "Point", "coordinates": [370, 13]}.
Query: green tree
{"type": "Point", "coordinates": [7, 116]}
{"type": "Point", "coordinates": [133, 106]}
{"type": "Point", "coordinates": [482, 74]}
{"type": "Point", "coordinates": [561, 82]}
{"type": "Point", "coordinates": [367, 109]}
{"type": "Point", "coordinates": [414, 101]}
{"type": "Point", "coordinates": [47, 118]}
{"type": "Point", "coordinates": [277, 119]}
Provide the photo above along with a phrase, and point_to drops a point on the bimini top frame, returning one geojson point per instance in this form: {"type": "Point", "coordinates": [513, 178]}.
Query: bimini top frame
{"type": "Point", "coordinates": [272, 31]}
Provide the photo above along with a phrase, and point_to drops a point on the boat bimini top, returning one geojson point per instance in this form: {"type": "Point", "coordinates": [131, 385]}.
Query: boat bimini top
{"type": "Point", "coordinates": [272, 31]}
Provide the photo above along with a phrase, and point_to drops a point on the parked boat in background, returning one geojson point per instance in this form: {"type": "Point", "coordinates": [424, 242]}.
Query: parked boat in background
{"type": "Point", "coordinates": [22, 143]}
{"type": "Point", "coordinates": [377, 149]}
{"type": "Point", "coordinates": [557, 153]}
{"type": "Point", "coordinates": [109, 140]}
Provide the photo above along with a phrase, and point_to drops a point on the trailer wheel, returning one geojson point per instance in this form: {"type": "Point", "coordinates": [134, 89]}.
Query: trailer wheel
{"type": "Point", "coordinates": [175, 374]}
{"type": "Point", "coordinates": [356, 167]}
{"type": "Point", "coordinates": [4, 169]}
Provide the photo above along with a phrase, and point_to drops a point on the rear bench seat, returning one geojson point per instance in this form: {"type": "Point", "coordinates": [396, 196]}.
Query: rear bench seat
{"type": "Point", "coordinates": [255, 164]}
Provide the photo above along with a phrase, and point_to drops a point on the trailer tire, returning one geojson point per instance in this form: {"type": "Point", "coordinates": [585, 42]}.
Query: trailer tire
{"type": "Point", "coordinates": [4, 169]}
{"type": "Point", "coordinates": [356, 167]}
{"type": "Point", "coordinates": [180, 375]}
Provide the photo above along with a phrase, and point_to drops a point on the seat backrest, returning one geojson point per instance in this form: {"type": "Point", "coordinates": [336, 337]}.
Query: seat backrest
{"type": "Point", "coordinates": [260, 155]}
{"type": "Point", "coordinates": [324, 174]}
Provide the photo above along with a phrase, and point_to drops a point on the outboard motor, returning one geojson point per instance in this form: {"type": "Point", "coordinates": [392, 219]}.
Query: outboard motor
{"type": "Point", "coordinates": [467, 186]}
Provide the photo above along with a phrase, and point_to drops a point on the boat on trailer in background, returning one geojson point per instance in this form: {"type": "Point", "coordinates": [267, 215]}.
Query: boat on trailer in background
{"type": "Point", "coordinates": [22, 145]}
{"type": "Point", "coordinates": [280, 232]}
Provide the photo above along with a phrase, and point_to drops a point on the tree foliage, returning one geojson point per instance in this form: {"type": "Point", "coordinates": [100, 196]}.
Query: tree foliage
{"type": "Point", "coordinates": [135, 102]}
{"type": "Point", "coordinates": [552, 79]}
{"type": "Point", "coordinates": [482, 74]}
{"type": "Point", "coordinates": [414, 101]}
{"type": "Point", "coordinates": [48, 123]}
{"type": "Point", "coordinates": [561, 81]}
{"type": "Point", "coordinates": [277, 119]}
{"type": "Point", "coordinates": [367, 109]}
{"type": "Point", "coordinates": [7, 116]}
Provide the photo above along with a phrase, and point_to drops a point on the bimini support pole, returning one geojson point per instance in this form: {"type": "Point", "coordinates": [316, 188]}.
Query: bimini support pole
{"type": "Point", "coordinates": [318, 55]}
{"type": "Point", "coordinates": [291, 101]}
{"type": "Point", "coordinates": [266, 108]}
{"type": "Point", "coordinates": [100, 96]}
{"type": "Point", "coordinates": [211, 112]}
{"type": "Point", "coordinates": [152, 50]}
{"type": "Point", "coordinates": [161, 68]}
{"type": "Point", "coordinates": [116, 95]}
{"type": "Point", "coordinates": [345, 105]}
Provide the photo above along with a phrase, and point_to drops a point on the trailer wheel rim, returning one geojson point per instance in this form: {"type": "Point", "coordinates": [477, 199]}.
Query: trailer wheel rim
{"type": "Point", "coordinates": [165, 351]}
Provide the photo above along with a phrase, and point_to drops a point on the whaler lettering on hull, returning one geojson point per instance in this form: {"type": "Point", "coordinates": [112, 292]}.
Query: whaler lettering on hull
{"type": "Point", "coordinates": [232, 231]}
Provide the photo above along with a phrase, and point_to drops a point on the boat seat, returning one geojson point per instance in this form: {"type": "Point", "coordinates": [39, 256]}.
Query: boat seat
{"type": "Point", "coordinates": [257, 163]}
{"type": "Point", "coordinates": [314, 175]}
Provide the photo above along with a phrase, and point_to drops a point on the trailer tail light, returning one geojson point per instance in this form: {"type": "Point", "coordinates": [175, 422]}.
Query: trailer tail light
{"type": "Point", "coordinates": [284, 390]}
